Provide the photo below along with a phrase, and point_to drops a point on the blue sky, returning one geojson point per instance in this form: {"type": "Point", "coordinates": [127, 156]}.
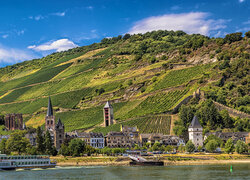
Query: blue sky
{"type": "Point", "coordinates": [34, 28]}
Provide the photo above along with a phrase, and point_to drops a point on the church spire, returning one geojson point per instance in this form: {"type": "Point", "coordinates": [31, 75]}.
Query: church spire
{"type": "Point", "coordinates": [50, 109]}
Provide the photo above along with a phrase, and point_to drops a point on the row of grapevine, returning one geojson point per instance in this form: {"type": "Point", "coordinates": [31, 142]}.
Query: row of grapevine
{"type": "Point", "coordinates": [149, 124]}
{"type": "Point", "coordinates": [159, 103]}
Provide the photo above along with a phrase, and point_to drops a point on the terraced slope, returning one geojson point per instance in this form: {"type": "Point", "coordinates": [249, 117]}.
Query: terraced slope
{"type": "Point", "coordinates": [143, 76]}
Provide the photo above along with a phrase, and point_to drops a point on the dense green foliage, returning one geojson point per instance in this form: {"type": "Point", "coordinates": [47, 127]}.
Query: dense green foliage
{"type": "Point", "coordinates": [189, 147]}
{"type": "Point", "coordinates": [229, 146]}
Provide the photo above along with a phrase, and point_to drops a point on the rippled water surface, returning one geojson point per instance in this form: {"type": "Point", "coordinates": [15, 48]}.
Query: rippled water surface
{"type": "Point", "coordinates": [197, 172]}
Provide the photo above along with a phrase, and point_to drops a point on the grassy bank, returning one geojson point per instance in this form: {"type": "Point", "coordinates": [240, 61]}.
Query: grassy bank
{"type": "Point", "coordinates": [169, 159]}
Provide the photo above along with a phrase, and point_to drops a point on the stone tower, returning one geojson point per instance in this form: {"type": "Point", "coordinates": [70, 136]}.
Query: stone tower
{"type": "Point", "coordinates": [50, 118]}
{"type": "Point", "coordinates": [195, 132]}
{"type": "Point", "coordinates": [59, 134]}
{"type": "Point", "coordinates": [108, 114]}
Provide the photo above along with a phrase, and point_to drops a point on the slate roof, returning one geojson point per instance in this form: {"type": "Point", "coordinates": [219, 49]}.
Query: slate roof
{"type": "Point", "coordinates": [195, 123]}
{"type": "Point", "coordinates": [50, 109]}
{"type": "Point", "coordinates": [59, 123]}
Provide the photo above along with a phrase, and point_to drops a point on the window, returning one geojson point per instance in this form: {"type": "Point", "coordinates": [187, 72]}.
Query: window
{"type": "Point", "coordinates": [51, 122]}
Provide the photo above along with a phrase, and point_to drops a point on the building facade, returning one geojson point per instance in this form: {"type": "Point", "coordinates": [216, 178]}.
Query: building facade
{"type": "Point", "coordinates": [132, 132]}
{"type": "Point", "coordinates": [58, 134]}
{"type": "Point", "coordinates": [97, 140]}
{"type": "Point", "coordinates": [108, 114]}
{"type": "Point", "coordinates": [14, 121]}
{"type": "Point", "coordinates": [118, 140]}
{"type": "Point", "coordinates": [195, 132]}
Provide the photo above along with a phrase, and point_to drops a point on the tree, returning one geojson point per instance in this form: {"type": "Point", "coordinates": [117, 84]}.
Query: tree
{"type": "Point", "coordinates": [156, 146]}
{"type": "Point", "coordinates": [17, 142]}
{"type": "Point", "coordinates": [76, 147]}
{"type": "Point", "coordinates": [3, 146]}
{"type": "Point", "coordinates": [32, 150]}
{"type": "Point", "coordinates": [169, 148]}
{"type": "Point", "coordinates": [241, 147]}
{"type": "Point", "coordinates": [64, 150]}
{"type": "Point", "coordinates": [229, 146]}
{"type": "Point", "coordinates": [209, 115]}
{"type": "Point", "coordinates": [227, 120]}
{"type": "Point", "coordinates": [233, 37]}
{"type": "Point", "coordinates": [211, 145]}
{"type": "Point", "coordinates": [40, 140]}
{"type": "Point", "coordinates": [181, 148]}
{"type": "Point", "coordinates": [89, 150]}
{"type": "Point", "coordinates": [190, 146]}
{"type": "Point", "coordinates": [213, 137]}
{"type": "Point", "coordinates": [48, 143]}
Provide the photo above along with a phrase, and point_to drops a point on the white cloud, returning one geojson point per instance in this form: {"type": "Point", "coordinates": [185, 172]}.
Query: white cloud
{"type": "Point", "coordinates": [241, 1]}
{"type": "Point", "coordinates": [5, 36]}
{"type": "Point", "coordinates": [90, 7]}
{"type": "Point", "coordinates": [193, 22]}
{"type": "Point", "coordinates": [61, 14]}
{"type": "Point", "coordinates": [12, 55]}
{"type": "Point", "coordinates": [58, 45]}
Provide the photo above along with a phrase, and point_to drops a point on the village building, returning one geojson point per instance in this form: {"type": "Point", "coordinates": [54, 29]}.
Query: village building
{"type": "Point", "coordinates": [97, 140]}
{"type": "Point", "coordinates": [84, 136]}
{"type": "Point", "coordinates": [235, 136]}
{"type": "Point", "coordinates": [172, 140]}
{"type": "Point", "coordinates": [132, 132]}
{"type": "Point", "coordinates": [195, 132]}
{"type": "Point", "coordinates": [118, 140]}
{"type": "Point", "coordinates": [108, 114]}
{"type": "Point", "coordinates": [32, 138]}
{"type": "Point", "coordinates": [150, 138]}
{"type": "Point", "coordinates": [58, 134]}
{"type": "Point", "coordinates": [14, 121]}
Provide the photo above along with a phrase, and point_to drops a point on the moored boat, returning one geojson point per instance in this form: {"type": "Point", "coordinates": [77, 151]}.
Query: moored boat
{"type": "Point", "coordinates": [140, 161]}
{"type": "Point", "coordinates": [25, 162]}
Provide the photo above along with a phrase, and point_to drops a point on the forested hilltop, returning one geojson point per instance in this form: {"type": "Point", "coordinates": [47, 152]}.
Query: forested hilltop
{"type": "Point", "coordinates": [144, 76]}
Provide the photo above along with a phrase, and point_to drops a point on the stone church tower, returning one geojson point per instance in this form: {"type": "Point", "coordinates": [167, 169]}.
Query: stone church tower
{"type": "Point", "coordinates": [108, 114]}
{"type": "Point", "coordinates": [59, 134]}
{"type": "Point", "coordinates": [50, 118]}
{"type": "Point", "coordinates": [195, 132]}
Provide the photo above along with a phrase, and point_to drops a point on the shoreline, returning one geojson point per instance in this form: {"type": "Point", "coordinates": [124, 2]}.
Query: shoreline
{"type": "Point", "coordinates": [166, 163]}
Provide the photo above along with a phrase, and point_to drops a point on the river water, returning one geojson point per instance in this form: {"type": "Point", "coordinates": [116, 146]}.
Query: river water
{"type": "Point", "coordinates": [196, 172]}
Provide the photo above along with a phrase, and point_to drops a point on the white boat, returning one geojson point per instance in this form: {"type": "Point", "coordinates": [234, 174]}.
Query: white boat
{"type": "Point", "coordinates": [25, 162]}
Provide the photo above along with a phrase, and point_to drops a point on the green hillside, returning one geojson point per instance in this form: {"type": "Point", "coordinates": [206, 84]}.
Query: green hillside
{"type": "Point", "coordinates": [144, 76]}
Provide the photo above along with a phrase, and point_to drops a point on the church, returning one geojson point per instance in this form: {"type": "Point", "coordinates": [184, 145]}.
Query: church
{"type": "Point", "coordinates": [56, 129]}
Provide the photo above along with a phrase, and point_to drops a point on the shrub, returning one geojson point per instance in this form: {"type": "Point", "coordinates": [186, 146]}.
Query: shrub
{"type": "Point", "coordinates": [190, 146]}
{"type": "Point", "coordinates": [241, 147]}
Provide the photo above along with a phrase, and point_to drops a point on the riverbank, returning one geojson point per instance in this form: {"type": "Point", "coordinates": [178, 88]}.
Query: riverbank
{"type": "Point", "coordinates": [177, 159]}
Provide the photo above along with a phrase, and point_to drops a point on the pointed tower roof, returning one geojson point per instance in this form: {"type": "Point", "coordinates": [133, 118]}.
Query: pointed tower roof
{"type": "Point", "coordinates": [50, 109]}
{"type": "Point", "coordinates": [195, 123]}
{"type": "Point", "coordinates": [107, 105]}
{"type": "Point", "coordinates": [59, 123]}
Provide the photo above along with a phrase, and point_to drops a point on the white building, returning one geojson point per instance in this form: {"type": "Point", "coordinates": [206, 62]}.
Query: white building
{"type": "Point", "coordinates": [97, 140]}
{"type": "Point", "coordinates": [195, 132]}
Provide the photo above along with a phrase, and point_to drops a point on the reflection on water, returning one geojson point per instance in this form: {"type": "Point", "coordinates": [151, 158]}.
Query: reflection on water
{"type": "Point", "coordinates": [240, 171]}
